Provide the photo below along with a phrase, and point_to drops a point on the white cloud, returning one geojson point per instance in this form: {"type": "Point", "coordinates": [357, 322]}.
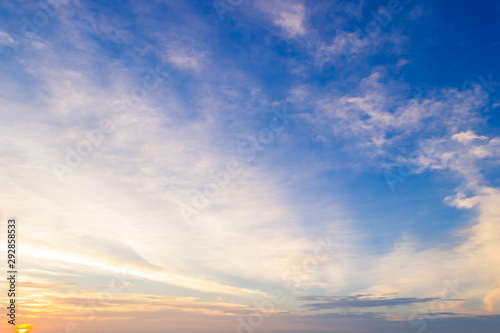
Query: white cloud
{"type": "Point", "coordinates": [466, 137]}
{"type": "Point", "coordinates": [289, 16]}
{"type": "Point", "coordinates": [6, 39]}
{"type": "Point", "coordinates": [292, 20]}
{"type": "Point", "coordinates": [464, 153]}
{"type": "Point", "coordinates": [187, 59]}
{"type": "Point", "coordinates": [375, 109]}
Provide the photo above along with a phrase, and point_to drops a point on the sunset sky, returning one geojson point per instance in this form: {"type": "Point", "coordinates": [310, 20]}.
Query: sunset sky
{"type": "Point", "coordinates": [285, 166]}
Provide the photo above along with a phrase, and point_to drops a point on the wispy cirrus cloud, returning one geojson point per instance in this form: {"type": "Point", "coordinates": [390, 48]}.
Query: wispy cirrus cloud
{"type": "Point", "coordinates": [377, 116]}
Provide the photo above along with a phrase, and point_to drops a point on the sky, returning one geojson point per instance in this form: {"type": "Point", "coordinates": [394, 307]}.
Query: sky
{"type": "Point", "coordinates": [251, 166]}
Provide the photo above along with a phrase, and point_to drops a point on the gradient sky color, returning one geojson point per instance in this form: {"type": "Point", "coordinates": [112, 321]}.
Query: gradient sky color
{"type": "Point", "coordinates": [252, 166]}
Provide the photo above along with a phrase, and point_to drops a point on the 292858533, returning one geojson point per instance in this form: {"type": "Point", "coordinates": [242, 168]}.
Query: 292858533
{"type": "Point", "coordinates": [11, 254]}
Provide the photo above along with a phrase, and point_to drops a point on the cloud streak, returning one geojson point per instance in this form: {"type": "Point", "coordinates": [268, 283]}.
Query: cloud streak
{"type": "Point", "coordinates": [359, 301]}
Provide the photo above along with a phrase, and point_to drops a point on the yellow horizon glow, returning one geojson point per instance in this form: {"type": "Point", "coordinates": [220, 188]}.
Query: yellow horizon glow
{"type": "Point", "coordinates": [23, 328]}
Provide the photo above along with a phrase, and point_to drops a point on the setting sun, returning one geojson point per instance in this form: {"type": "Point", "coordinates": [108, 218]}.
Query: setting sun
{"type": "Point", "coordinates": [23, 328]}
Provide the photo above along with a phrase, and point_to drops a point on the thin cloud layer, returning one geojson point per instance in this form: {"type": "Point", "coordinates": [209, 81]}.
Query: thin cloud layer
{"type": "Point", "coordinates": [358, 301]}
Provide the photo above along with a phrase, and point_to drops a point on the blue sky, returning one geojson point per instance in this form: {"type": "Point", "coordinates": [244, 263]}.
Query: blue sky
{"type": "Point", "coordinates": [191, 159]}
